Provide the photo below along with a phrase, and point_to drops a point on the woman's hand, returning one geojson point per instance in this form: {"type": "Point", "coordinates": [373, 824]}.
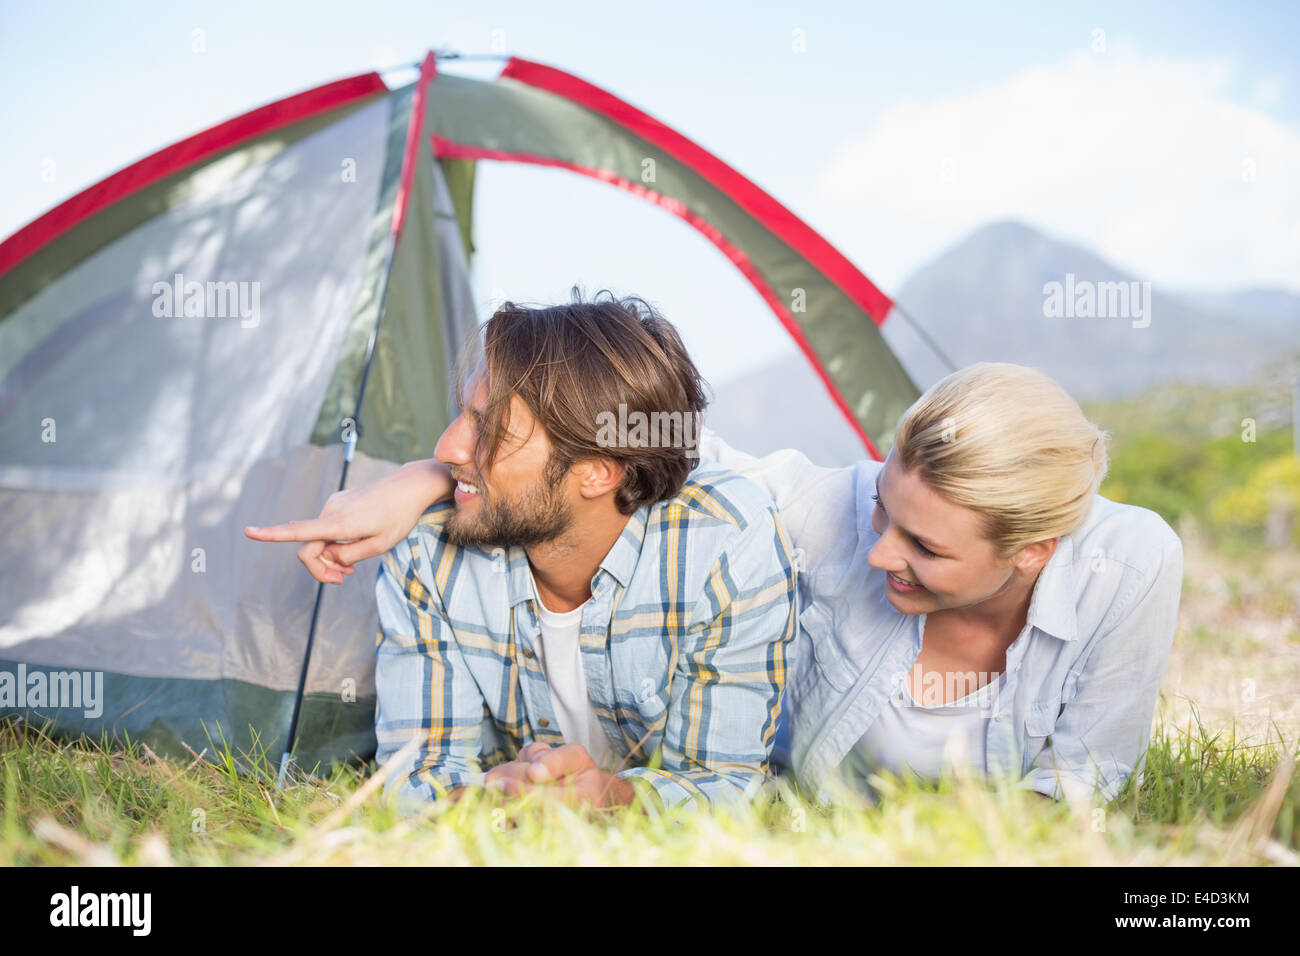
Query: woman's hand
{"type": "Point", "coordinates": [361, 522]}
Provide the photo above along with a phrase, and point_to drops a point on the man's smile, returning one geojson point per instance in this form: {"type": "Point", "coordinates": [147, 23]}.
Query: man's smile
{"type": "Point", "coordinates": [466, 490]}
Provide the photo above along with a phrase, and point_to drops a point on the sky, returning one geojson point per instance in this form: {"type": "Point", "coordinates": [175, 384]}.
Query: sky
{"type": "Point", "coordinates": [1164, 136]}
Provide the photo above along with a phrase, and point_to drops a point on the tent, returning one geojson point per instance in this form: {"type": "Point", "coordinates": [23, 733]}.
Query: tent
{"type": "Point", "coordinates": [210, 337]}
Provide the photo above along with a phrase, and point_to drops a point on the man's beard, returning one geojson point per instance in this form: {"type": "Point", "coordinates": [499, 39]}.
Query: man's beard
{"type": "Point", "coordinates": [541, 514]}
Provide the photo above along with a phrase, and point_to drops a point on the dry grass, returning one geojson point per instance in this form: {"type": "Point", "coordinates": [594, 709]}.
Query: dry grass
{"type": "Point", "coordinates": [1236, 658]}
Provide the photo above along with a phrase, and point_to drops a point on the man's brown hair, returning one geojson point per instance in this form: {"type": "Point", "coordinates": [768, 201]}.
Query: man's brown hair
{"type": "Point", "coordinates": [573, 365]}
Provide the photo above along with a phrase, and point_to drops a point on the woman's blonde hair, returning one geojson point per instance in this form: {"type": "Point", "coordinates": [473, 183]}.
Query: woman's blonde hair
{"type": "Point", "coordinates": [1007, 442]}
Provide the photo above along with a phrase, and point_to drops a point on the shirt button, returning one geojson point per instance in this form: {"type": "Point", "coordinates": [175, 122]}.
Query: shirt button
{"type": "Point", "coordinates": [528, 653]}
{"type": "Point", "coordinates": [544, 722]}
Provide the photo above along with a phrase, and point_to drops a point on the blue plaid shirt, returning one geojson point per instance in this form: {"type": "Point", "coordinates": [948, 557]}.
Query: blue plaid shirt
{"type": "Point", "coordinates": [685, 642]}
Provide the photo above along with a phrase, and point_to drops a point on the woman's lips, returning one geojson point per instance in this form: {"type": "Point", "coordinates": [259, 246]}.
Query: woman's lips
{"type": "Point", "coordinates": [901, 586]}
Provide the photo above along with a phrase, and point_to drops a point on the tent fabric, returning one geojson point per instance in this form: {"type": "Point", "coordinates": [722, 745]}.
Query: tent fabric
{"type": "Point", "coordinates": [754, 201]}
{"type": "Point", "coordinates": [49, 245]}
{"type": "Point", "coordinates": [409, 397]}
{"type": "Point", "coordinates": [174, 431]}
{"type": "Point", "coordinates": [406, 407]}
{"type": "Point", "coordinates": [143, 424]}
{"type": "Point", "coordinates": [511, 121]}
{"type": "Point", "coordinates": [337, 408]}
{"type": "Point", "coordinates": [167, 387]}
{"type": "Point", "coordinates": [193, 628]}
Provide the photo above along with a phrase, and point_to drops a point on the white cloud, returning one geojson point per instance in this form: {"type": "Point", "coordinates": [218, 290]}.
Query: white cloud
{"type": "Point", "coordinates": [1148, 162]}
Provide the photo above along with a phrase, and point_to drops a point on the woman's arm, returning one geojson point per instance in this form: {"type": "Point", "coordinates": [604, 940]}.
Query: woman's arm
{"type": "Point", "coordinates": [368, 520]}
{"type": "Point", "coordinates": [817, 504]}
{"type": "Point", "coordinates": [361, 522]}
{"type": "Point", "coordinates": [785, 475]}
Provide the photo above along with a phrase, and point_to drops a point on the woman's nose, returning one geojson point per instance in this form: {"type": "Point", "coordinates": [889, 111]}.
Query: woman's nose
{"type": "Point", "coordinates": [884, 554]}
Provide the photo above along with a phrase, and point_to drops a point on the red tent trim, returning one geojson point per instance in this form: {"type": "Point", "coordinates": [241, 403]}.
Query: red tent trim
{"type": "Point", "coordinates": [179, 156]}
{"type": "Point", "coordinates": [444, 147]}
{"type": "Point", "coordinates": [776, 217]}
{"type": "Point", "coordinates": [428, 71]}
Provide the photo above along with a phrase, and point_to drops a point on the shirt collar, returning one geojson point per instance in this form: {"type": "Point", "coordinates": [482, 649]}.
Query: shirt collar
{"type": "Point", "coordinates": [620, 562]}
{"type": "Point", "coordinates": [1052, 607]}
{"type": "Point", "coordinates": [866, 489]}
{"type": "Point", "coordinates": [622, 558]}
{"type": "Point", "coordinates": [519, 576]}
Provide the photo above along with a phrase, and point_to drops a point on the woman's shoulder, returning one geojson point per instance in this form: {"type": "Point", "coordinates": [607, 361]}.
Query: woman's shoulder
{"type": "Point", "coordinates": [1123, 574]}
{"type": "Point", "coordinates": [1123, 557]}
{"type": "Point", "coordinates": [1124, 531]}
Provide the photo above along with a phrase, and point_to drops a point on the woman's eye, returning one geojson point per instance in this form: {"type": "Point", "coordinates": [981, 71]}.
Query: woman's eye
{"type": "Point", "coordinates": [924, 550]}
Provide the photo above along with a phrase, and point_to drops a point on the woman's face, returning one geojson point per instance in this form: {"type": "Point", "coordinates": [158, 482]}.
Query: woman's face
{"type": "Point", "coordinates": [934, 552]}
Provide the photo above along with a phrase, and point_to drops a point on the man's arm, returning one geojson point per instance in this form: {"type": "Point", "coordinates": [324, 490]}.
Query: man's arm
{"type": "Point", "coordinates": [1101, 735]}
{"type": "Point", "coordinates": [423, 686]}
{"type": "Point", "coordinates": [730, 673]}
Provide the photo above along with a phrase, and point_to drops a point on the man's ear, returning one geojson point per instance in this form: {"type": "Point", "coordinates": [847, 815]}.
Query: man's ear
{"type": "Point", "coordinates": [1033, 557]}
{"type": "Point", "coordinates": [598, 476]}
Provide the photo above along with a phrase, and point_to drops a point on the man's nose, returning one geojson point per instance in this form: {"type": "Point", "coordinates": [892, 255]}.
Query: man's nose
{"type": "Point", "coordinates": [456, 446]}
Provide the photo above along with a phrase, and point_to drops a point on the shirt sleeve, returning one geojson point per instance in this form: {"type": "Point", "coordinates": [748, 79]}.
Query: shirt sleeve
{"type": "Point", "coordinates": [1101, 735]}
{"type": "Point", "coordinates": [783, 474]}
{"type": "Point", "coordinates": [423, 687]}
{"type": "Point", "coordinates": [730, 675]}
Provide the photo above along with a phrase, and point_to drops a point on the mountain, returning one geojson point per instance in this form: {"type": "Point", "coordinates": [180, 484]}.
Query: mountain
{"type": "Point", "coordinates": [983, 300]}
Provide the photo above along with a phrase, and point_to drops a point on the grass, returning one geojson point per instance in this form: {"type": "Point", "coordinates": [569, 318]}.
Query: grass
{"type": "Point", "coordinates": [1206, 800]}
{"type": "Point", "coordinates": [1220, 787]}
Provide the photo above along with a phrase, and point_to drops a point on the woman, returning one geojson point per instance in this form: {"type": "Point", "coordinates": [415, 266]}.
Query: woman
{"type": "Point", "coordinates": [969, 603]}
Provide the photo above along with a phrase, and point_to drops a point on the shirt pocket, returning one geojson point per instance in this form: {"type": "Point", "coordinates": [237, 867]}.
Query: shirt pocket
{"type": "Point", "coordinates": [1040, 722]}
{"type": "Point", "coordinates": [831, 663]}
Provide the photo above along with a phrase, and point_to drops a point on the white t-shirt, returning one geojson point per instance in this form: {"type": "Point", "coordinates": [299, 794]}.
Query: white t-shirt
{"type": "Point", "coordinates": [910, 738]}
{"type": "Point", "coordinates": [560, 655]}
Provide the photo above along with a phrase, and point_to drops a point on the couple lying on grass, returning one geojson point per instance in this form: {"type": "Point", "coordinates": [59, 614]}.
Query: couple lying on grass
{"type": "Point", "coordinates": [619, 621]}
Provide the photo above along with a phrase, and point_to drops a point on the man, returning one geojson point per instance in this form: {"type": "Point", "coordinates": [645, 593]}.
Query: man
{"type": "Point", "coordinates": [584, 605]}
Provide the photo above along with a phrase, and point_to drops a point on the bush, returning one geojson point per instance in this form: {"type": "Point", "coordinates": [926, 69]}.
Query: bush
{"type": "Point", "coordinates": [1270, 494]}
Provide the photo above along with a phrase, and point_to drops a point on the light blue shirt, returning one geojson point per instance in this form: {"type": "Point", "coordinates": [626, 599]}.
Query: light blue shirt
{"type": "Point", "coordinates": [1073, 717]}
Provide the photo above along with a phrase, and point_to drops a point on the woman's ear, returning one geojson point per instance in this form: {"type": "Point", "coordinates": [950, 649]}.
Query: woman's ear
{"type": "Point", "coordinates": [1032, 557]}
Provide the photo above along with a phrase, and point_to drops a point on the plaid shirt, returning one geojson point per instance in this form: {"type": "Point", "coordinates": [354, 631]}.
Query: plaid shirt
{"type": "Point", "coordinates": [685, 641]}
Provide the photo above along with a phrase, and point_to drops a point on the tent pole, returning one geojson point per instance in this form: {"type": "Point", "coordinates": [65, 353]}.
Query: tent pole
{"type": "Point", "coordinates": [925, 336]}
{"type": "Point", "coordinates": [286, 758]}
{"type": "Point", "coordinates": [414, 130]}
